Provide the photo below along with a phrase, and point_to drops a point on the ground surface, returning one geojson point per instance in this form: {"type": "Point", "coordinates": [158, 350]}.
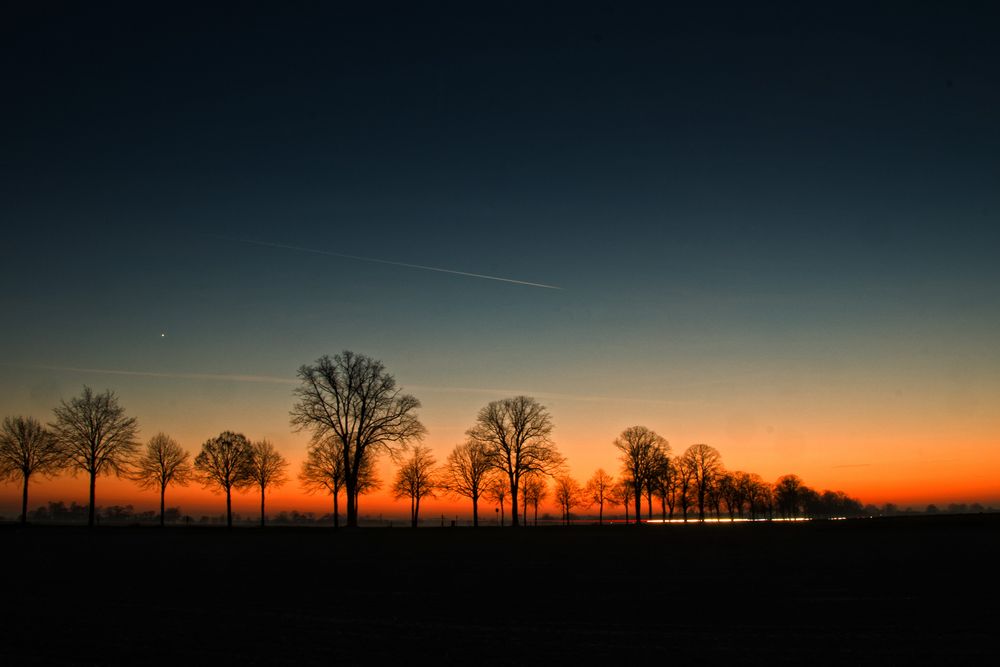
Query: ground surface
{"type": "Point", "coordinates": [883, 591]}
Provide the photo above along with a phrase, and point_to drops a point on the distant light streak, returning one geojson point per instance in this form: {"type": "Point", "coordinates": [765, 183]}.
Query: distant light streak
{"type": "Point", "coordinates": [375, 260]}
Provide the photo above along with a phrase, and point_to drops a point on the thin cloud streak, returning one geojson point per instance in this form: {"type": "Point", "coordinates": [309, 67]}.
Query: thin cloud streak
{"type": "Point", "coordinates": [375, 260]}
{"type": "Point", "coordinates": [222, 377]}
{"type": "Point", "coordinates": [273, 379]}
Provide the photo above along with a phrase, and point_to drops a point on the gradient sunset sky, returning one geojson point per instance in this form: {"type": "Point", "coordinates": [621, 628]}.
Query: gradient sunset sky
{"type": "Point", "coordinates": [773, 229]}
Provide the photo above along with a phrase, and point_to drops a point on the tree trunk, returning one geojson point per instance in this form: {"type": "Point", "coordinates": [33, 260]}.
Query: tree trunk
{"type": "Point", "coordinates": [24, 500]}
{"type": "Point", "coordinates": [649, 504]}
{"type": "Point", "coordinates": [352, 509]}
{"type": "Point", "coordinates": [262, 507]}
{"type": "Point", "coordinates": [336, 510]}
{"type": "Point", "coordinates": [229, 508]}
{"type": "Point", "coordinates": [536, 515]}
{"type": "Point", "coordinates": [90, 510]}
{"type": "Point", "coordinates": [626, 511]}
{"type": "Point", "coordinates": [513, 504]}
{"type": "Point", "coordinates": [163, 493]}
{"type": "Point", "coordinates": [638, 504]}
{"type": "Point", "coordinates": [416, 512]}
{"type": "Point", "coordinates": [475, 512]}
{"type": "Point", "coordinates": [600, 514]}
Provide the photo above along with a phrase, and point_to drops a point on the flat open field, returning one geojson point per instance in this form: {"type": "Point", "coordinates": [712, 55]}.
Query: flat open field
{"type": "Point", "coordinates": [878, 591]}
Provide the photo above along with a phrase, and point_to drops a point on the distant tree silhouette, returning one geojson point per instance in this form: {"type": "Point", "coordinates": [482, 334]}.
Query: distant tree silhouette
{"type": "Point", "coordinates": [665, 484]}
{"type": "Point", "coordinates": [27, 450]}
{"type": "Point", "coordinates": [758, 495]}
{"type": "Point", "coordinates": [704, 463]}
{"type": "Point", "coordinates": [732, 491]}
{"type": "Point", "coordinates": [517, 434]}
{"type": "Point", "coordinates": [267, 470]}
{"type": "Point", "coordinates": [161, 463]}
{"type": "Point", "coordinates": [714, 492]}
{"type": "Point", "coordinates": [352, 398]}
{"type": "Point", "coordinates": [466, 473]}
{"type": "Point", "coordinates": [534, 492]}
{"type": "Point", "coordinates": [416, 480]}
{"type": "Point", "coordinates": [496, 490]}
{"type": "Point", "coordinates": [569, 494]}
{"type": "Point", "coordinates": [224, 464]}
{"type": "Point", "coordinates": [323, 470]}
{"type": "Point", "coordinates": [641, 450]}
{"type": "Point", "coordinates": [789, 492]}
{"type": "Point", "coordinates": [599, 488]}
{"type": "Point", "coordinates": [685, 484]}
{"type": "Point", "coordinates": [96, 436]}
{"type": "Point", "coordinates": [622, 493]}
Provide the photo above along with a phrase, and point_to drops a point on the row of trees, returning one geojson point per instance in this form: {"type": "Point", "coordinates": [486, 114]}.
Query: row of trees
{"type": "Point", "coordinates": [355, 413]}
{"type": "Point", "coordinates": [91, 434]}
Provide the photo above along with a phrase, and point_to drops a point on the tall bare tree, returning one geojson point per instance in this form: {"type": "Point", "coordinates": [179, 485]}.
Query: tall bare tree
{"type": "Point", "coordinates": [27, 450]}
{"type": "Point", "coordinates": [162, 462]}
{"type": "Point", "coordinates": [517, 434]}
{"type": "Point", "coordinates": [224, 464]}
{"type": "Point", "coordinates": [96, 437]}
{"type": "Point", "coordinates": [705, 464]}
{"type": "Point", "coordinates": [416, 480]}
{"type": "Point", "coordinates": [599, 489]}
{"type": "Point", "coordinates": [352, 398]}
{"type": "Point", "coordinates": [267, 469]}
{"type": "Point", "coordinates": [641, 450]}
{"type": "Point", "coordinates": [569, 494]}
{"type": "Point", "coordinates": [466, 473]}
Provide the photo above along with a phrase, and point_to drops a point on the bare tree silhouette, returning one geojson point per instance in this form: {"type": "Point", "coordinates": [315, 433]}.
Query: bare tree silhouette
{"type": "Point", "coordinates": [535, 491]}
{"type": "Point", "coordinates": [622, 494]}
{"type": "Point", "coordinates": [267, 470]}
{"type": "Point", "coordinates": [705, 463]}
{"type": "Point", "coordinates": [323, 470]}
{"type": "Point", "coordinates": [599, 488]}
{"type": "Point", "coordinates": [224, 464]}
{"type": "Point", "coordinates": [415, 480]}
{"type": "Point", "coordinates": [497, 489]}
{"type": "Point", "coordinates": [162, 462]}
{"type": "Point", "coordinates": [516, 433]}
{"type": "Point", "coordinates": [789, 493]}
{"type": "Point", "coordinates": [665, 485]}
{"type": "Point", "coordinates": [641, 449]}
{"type": "Point", "coordinates": [685, 476]}
{"type": "Point", "coordinates": [96, 437]}
{"type": "Point", "coordinates": [26, 450]}
{"type": "Point", "coordinates": [569, 494]}
{"type": "Point", "coordinates": [352, 398]}
{"type": "Point", "coordinates": [466, 473]}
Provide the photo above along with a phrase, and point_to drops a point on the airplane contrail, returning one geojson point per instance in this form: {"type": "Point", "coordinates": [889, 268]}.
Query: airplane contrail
{"type": "Point", "coordinates": [375, 260]}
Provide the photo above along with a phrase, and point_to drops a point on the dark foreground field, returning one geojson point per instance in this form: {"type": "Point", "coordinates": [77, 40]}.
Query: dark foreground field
{"type": "Point", "coordinates": [880, 591]}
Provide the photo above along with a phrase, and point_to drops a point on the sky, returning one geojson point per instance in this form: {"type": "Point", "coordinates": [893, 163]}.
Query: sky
{"type": "Point", "coordinates": [771, 228]}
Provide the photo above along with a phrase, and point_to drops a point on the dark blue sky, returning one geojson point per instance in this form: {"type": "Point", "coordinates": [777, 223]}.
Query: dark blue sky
{"type": "Point", "coordinates": [723, 192]}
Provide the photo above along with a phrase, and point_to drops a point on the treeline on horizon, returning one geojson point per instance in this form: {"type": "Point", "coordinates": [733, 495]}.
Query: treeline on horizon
{"type": "Point", "coordinates": [355, 413]}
